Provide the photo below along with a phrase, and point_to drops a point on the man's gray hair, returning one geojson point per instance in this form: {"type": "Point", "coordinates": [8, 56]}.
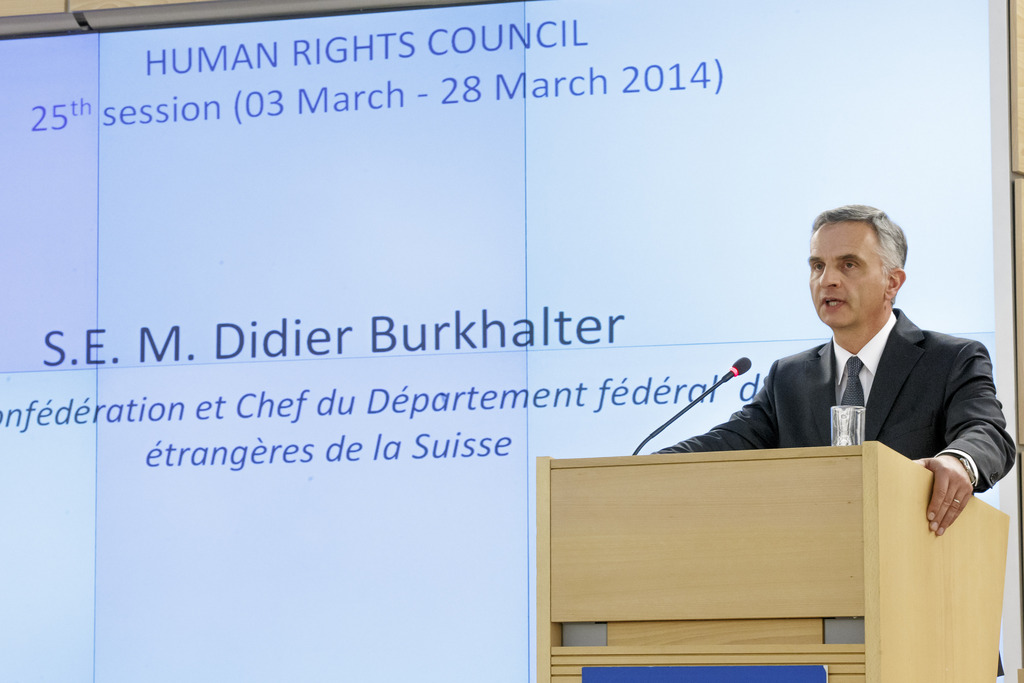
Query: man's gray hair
{"type": "Point", "coordinates": [892, 243]}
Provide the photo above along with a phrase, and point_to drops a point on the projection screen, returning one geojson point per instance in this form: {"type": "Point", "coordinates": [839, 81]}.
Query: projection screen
{"type": "Point", "coordinates": [291, 307]}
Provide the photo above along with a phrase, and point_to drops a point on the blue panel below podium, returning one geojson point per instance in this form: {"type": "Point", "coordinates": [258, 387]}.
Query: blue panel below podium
{"type": "Point", "coordinates": [706, 674]}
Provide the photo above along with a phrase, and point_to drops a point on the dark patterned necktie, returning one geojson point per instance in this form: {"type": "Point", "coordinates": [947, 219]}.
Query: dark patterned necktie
{"type": "Point", "coordinates": [854, 394]}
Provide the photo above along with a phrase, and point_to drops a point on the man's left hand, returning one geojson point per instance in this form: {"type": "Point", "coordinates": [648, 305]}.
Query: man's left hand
{"type": "Point", "coordinates": [951, 491]}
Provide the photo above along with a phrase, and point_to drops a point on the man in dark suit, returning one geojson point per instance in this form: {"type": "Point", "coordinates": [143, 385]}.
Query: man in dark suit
{"type": "Point", "coordinates": [928, 396]}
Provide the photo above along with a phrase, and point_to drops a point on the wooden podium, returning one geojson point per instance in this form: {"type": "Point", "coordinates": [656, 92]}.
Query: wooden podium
{"type": "Point", "coordinates": [742, 558]}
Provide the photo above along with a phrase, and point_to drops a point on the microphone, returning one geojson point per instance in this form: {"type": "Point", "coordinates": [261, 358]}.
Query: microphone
{"type": "Point", "coordinates": [737, 369]}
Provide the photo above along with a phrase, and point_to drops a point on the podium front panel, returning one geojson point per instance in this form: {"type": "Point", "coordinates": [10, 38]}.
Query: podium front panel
{"type": "Point", "coordinates": [742, 535]}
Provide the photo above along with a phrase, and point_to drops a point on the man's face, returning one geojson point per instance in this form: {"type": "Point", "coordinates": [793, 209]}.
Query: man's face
{"type": "Point", "coordinates": [851, 292]}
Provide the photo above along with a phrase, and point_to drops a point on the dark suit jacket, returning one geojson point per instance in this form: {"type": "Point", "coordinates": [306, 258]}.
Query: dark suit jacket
{"type": "Point", "coordinates": [931, 392]}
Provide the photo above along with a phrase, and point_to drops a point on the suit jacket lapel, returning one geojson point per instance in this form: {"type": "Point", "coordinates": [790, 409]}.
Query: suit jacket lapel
{"type": "Point", "coordinates": [822, 389]}
{"type": "Point", "coordinates": [898, 359]}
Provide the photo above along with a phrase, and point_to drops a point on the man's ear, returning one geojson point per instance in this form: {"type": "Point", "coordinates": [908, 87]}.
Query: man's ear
{"type": "Point", "coordinates": [896, 279]}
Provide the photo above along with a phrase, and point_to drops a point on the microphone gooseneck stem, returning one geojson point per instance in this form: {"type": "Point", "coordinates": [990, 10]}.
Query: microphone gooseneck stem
{"type": "Point", "coordinates": [741, 366]}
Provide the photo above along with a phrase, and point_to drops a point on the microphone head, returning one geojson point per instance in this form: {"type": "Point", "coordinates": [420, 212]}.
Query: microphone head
{"type": "Point", "coordinates": [740, 366]}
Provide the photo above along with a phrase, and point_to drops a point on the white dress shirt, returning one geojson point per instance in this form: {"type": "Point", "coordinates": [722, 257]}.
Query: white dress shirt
{"type": "Point", "coordinates": [870, 356]}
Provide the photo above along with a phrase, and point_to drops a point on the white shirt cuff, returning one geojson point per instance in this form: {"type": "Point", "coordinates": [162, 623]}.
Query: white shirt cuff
{"type": "Point", "coordinates": [971, 465]}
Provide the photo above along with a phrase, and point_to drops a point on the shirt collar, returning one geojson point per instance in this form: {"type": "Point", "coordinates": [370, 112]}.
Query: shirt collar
{"type": "Point", "coordinates": [870, 355]}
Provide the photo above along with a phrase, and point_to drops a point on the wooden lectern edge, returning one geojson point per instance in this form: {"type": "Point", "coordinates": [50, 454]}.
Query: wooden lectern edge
{"type": "Point", "coordinates": [715, 456]}
{"type": "Point", "coordinates": [545, 629]}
